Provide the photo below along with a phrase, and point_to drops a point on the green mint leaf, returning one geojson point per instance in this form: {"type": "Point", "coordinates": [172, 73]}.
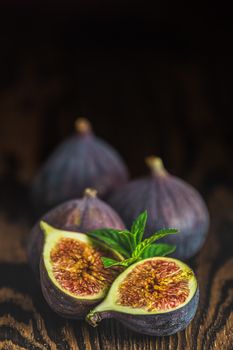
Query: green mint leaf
{"type": "Point", "coordinates": [130, 244]}
{"type": "Point", "coordinates": [107, 262]}
{"type": "Point", "coordinates": [160, 234]}
{"type": "Point", "coordinates": [129, 238]}
{"type": "Point", "coordinates": [116, 239]}
{"type": "Point", "coordinates": [148, 241]}
{"type": "Point", "coordinates": [110, 262]}
{"type": "Point", "coordinates": [138, 227]}
{"type": "Point", "coordinates": [160, 249]}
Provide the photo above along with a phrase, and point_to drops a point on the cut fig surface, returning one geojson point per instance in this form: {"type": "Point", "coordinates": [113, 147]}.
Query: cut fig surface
{"type": "Point", "coordinates": [72, 273]}
{"type": "Point", "coordinates": [77, 267]}
{"type": "Point", "coordinates": [155, 285]}
{"type": "Point", "coordinates": [156, 296]}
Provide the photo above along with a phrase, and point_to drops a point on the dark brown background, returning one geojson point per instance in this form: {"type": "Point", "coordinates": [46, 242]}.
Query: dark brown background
{"type": "Point", "coordinates": [152, 80]}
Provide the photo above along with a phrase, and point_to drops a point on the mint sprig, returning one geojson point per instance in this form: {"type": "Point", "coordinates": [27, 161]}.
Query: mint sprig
{"type": "Point", "coordinates": [138, 227]}
{"type": "Point", "coordinates": [116, 239]}
{"type": "Point", "coordinates": [130, 244]}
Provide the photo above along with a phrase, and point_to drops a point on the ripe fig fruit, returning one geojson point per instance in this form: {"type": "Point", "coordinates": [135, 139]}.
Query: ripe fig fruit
{"type": "Point", "coordinates": [82, 215]}
{"type": "Point", "coordinates": [157, 296]}
{"type": "Point", "coordinates": [73, 278]}
{"type": "Point", "coordinates": [81, 161]}
{"type": "Point", "coordinates": [170, 202]}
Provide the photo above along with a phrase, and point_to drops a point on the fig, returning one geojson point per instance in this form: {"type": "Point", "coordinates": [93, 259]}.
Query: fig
{"type": "Point", "coordinates": [73, 278]}
{"type": "Point", "coordinates": [156, 296]}
{"type": "Point", "coordinates": [81, 161]}
{"type": "Point", "coordinates": [170, 202]}
{"type": "Point", "coordinates": [83, 215]}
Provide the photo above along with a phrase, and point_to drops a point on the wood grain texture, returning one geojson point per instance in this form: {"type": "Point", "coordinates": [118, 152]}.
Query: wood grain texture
{"type": "Point", "coordinates": [189, 150]}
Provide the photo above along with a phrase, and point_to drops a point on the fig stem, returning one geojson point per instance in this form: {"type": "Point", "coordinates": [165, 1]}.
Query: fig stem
{"type": "Point", "coordinates": [156, 165]}
{"type": "Point", "coordinates": [93, 318]}
{"type": "Point", "coordinates": [90, 192]}
{"type": "Point", "coordinates": [82, 126]}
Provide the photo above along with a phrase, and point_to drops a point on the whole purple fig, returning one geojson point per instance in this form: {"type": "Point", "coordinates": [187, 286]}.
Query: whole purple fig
{"type": "Point", "coordinates": [81, 215]}
{"type": "Point", "coordinates": [81, 161]}
{"type": "Point", "coordinates": [170, 202]}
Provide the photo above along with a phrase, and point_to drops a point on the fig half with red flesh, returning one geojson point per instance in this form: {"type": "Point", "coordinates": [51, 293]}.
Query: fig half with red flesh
{"type": "Point", "coordinates": [157, 296]}
{"type": "Point", "coordinates": [73, 278]}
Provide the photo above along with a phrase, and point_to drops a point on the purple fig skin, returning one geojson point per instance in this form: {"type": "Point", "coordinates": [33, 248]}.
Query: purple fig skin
{"type": "Point", "coordinates": [170, 202]}
{"type": "Point", "coordinates": [63, 304]}
{"type": "Point", "coordinates": [81, 161]}
{"type": "Point", "coordinates": [81, 215]}
{"type": "Point", "coordinates": [163, 324]}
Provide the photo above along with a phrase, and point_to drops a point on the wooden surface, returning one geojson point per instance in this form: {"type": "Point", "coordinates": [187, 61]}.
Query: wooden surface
{"type": "Point", "coordinates": [177, 108]}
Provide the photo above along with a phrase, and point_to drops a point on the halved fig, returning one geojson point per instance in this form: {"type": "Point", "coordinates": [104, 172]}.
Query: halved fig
{"type": "Point", "coordinates": [157, 296]}
{"type": "Point", "coordinates": [73, 278]}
